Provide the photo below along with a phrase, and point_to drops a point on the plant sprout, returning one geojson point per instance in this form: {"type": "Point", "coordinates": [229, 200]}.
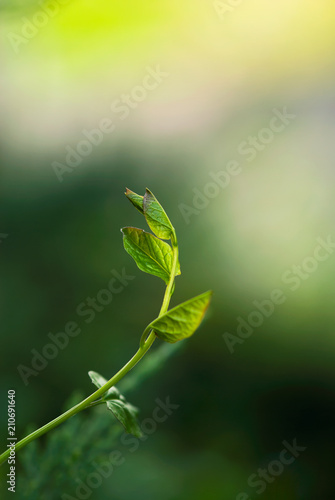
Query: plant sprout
{"type": "Point", "coordinates": [155, 256]}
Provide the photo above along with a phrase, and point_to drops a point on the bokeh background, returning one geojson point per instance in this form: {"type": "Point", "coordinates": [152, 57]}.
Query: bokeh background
{"type": "Point", "coordinates": [229, 65]}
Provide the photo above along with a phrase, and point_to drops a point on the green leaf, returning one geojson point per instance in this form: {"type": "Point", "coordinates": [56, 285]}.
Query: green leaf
{"type": "Point", "coordinates": [98, 380]}
{"type": "Point", "coordinates": [126, 414]}
{"type": "Point", "coordinates": [182, 321]}
{"type": "Point", "coordinates": [135, 199]}
{"type": "Point", "coordinates": [156, 217]}
{"type": "Point", "coordinates": [151, 254]}
{"type": "Point", "coordinates": [113, 393]}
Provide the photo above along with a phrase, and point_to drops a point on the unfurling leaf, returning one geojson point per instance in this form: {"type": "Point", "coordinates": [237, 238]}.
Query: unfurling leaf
{"type": "Point", "coordinates": [123, 411]}
{"type": "Point", "coordinates": [156, 217]}
{"type": "Point", "coordinates": [182, 321]}
{"type": "Point", "coordinates": [135, 199]}
{"type": "Point", "coordinates": [98, 380]}
{"type": "Point", "coordinates": [126, 414]}
{"type": "Point", "coordinates": [151, 254]}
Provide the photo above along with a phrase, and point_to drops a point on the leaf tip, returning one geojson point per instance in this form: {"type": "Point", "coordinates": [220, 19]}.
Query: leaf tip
{"type": "Point", "coordinates": [135, 199]}
{"type": "Point", "coordinates": [149, 193]}
{"type": "Point", "coordinates": [209, 295]}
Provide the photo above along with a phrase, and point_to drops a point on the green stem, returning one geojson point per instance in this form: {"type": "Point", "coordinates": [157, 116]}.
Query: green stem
{"type": "Point", "coordinates": [167, 296]}
{"type": "Point", "coordinates": [169, 287]}
{"type": "Point", "coordinates": [146, 343]}
{"type": "Point", "coordinates": [96, 403]}
{"type": "Point", "coordinates": [85, 403]}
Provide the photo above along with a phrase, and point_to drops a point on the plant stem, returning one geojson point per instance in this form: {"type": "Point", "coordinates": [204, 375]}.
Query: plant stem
{"type": "Point", "coordinates": [169, 287]}
{"type": "Point", "coordinates": [85, 403]}
{"type": "Point", "coordinates": [167, 296]}
{"type": "Point", "coordinates": [146, 343]}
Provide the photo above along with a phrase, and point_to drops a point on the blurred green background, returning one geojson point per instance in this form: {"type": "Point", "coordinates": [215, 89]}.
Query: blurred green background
{"type": "Point", "coordinates": [230, 65]}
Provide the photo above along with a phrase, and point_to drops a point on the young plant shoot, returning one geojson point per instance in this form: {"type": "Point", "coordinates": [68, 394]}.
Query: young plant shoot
{"type": "Point", "coordinates": [156, 254]}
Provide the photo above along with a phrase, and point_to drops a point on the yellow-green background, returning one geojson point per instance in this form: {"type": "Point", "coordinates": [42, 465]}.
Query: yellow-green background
{"type": "Point", "coordinates": [226, 76]}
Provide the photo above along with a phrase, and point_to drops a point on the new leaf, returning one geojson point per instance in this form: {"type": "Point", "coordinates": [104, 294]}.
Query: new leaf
{"type": "Point", "coordinates": [151, 254]}
{"type": "Point", "coordinates": [182, 321]}
{"type": "Point", "coordinates": [135, 199]}
{"type": "Point", "coordinates": [156, 217]}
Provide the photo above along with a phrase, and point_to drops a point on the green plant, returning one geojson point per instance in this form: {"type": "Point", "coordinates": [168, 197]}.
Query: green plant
{"type": "Point", "coordinates": [154, 256]}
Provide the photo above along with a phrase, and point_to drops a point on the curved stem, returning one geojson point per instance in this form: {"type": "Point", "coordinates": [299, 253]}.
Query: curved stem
{"type": "Point", "coordinates": [85, 403]}
{"type": "Point", "coordinates": [145, 336]}
{"type": "Point", "coordinates": [145, 344]}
